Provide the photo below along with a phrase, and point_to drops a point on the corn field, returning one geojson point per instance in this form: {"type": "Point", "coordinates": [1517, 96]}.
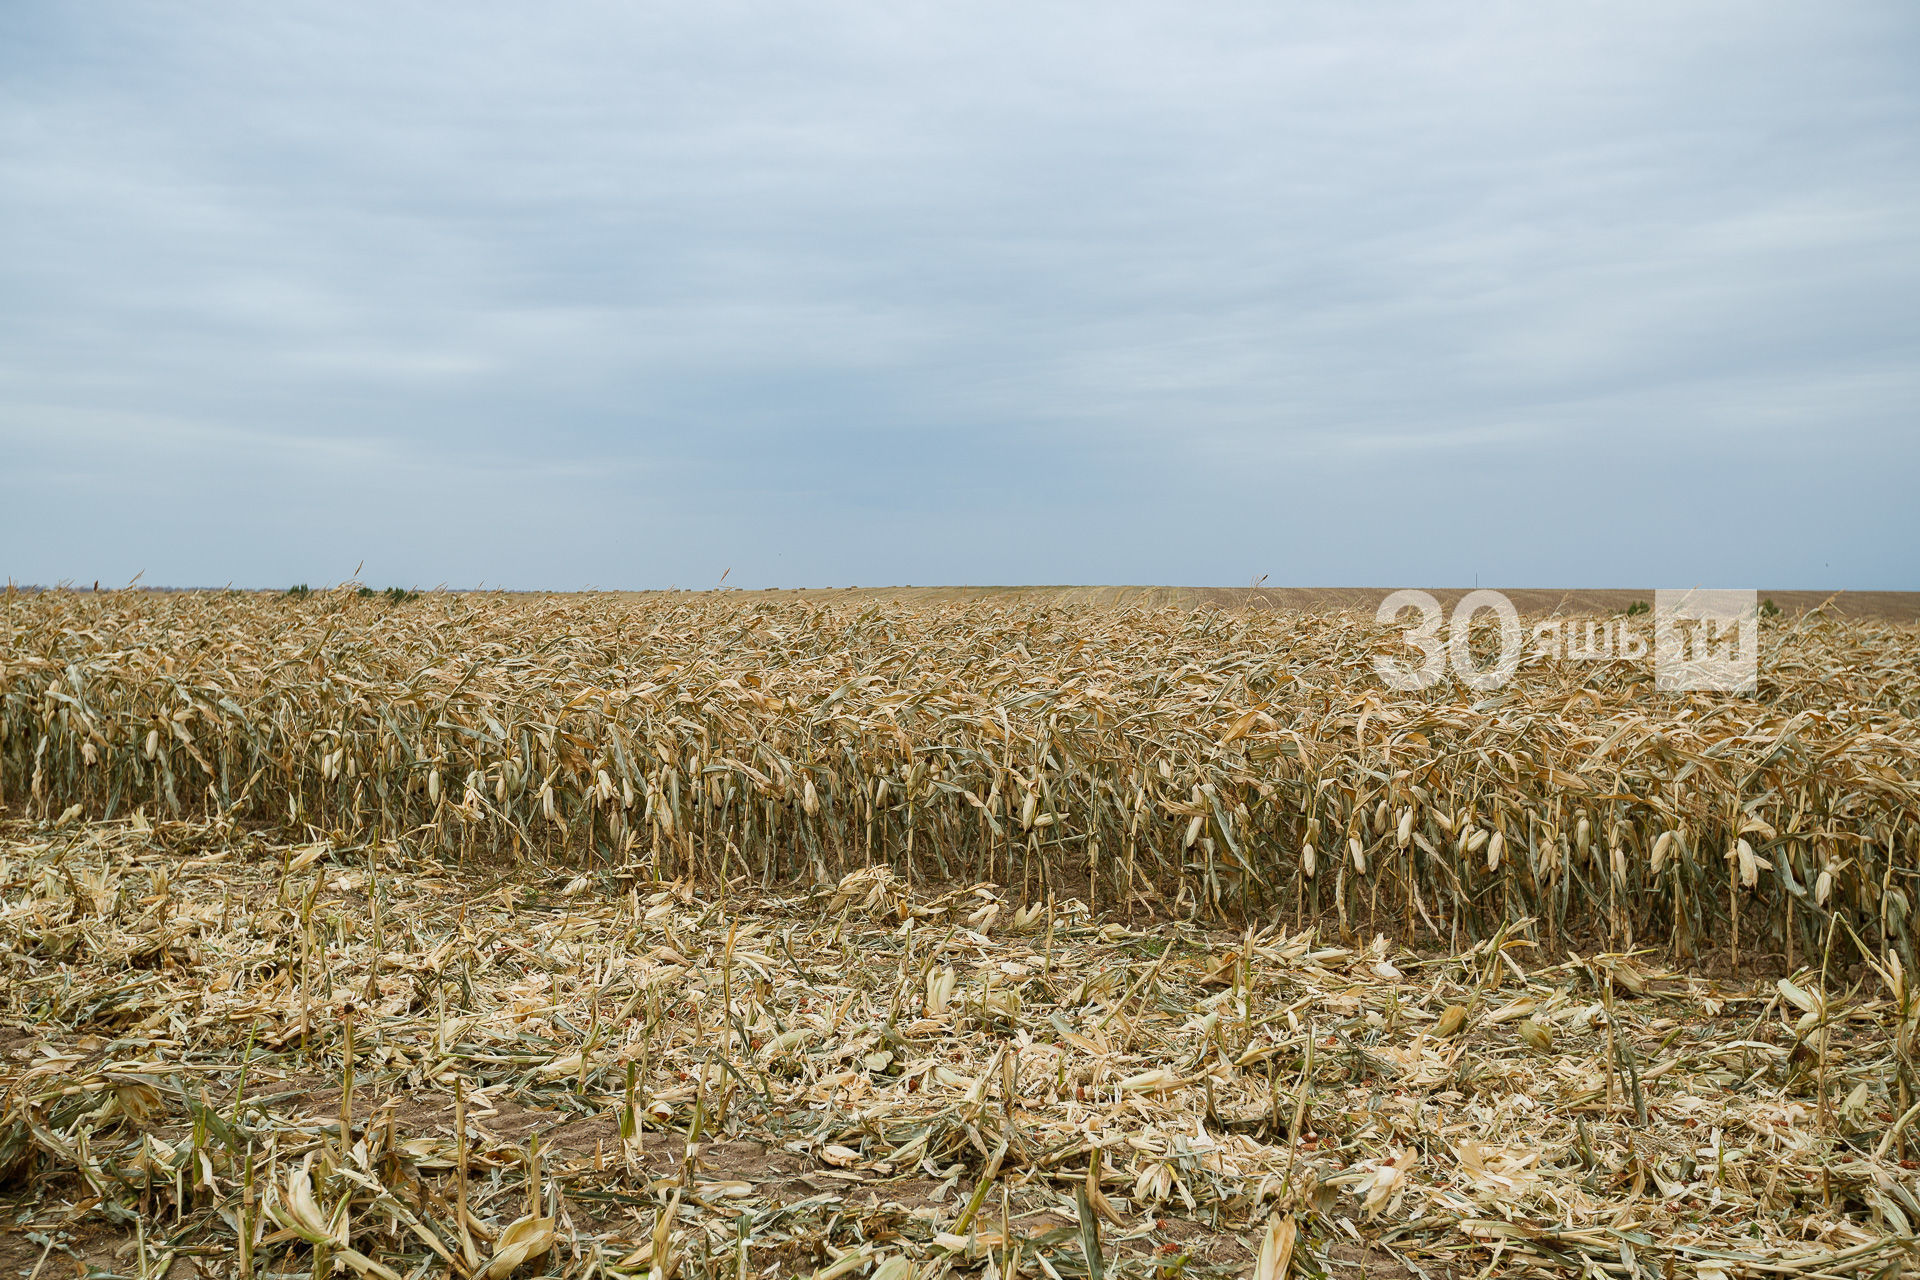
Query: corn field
{"type": "Point", "coordinates": [713, 937]}
{"type": "Point", "coordinates": [1244, 766]}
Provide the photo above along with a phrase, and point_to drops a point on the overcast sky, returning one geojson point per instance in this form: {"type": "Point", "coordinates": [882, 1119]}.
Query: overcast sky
{"type": "Point", "coordinates": [628, 296]}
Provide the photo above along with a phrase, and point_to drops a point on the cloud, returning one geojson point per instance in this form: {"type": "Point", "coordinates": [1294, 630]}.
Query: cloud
{"type": "Point", "coordinates": [826, 293]}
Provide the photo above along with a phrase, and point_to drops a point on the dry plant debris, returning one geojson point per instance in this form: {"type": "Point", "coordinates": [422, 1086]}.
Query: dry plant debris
{"type": "Point", "coordinates": [230, 1055]}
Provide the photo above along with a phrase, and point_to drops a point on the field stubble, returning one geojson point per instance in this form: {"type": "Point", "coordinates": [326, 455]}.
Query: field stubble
{"type": "Point", "coordinates": [609, 1075]}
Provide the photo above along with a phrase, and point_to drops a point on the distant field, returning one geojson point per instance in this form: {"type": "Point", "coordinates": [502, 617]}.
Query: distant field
{"type": "Point", "coordinates": [1891, 606]}
{"type": "Point", "coordinates": [1887, 606]}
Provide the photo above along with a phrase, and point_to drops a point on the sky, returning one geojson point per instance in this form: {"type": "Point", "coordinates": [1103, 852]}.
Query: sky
{"type": "Point", "coordinates": [827, 294]}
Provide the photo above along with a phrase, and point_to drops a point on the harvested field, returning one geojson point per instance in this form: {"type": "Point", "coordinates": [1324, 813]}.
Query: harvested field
{"type": "Point", "coordinates": [1033, 937]}
{"type": "Point", "coordinates": [1884, 606]}
{"type": "Point", "coordinates": [888, 1084]}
